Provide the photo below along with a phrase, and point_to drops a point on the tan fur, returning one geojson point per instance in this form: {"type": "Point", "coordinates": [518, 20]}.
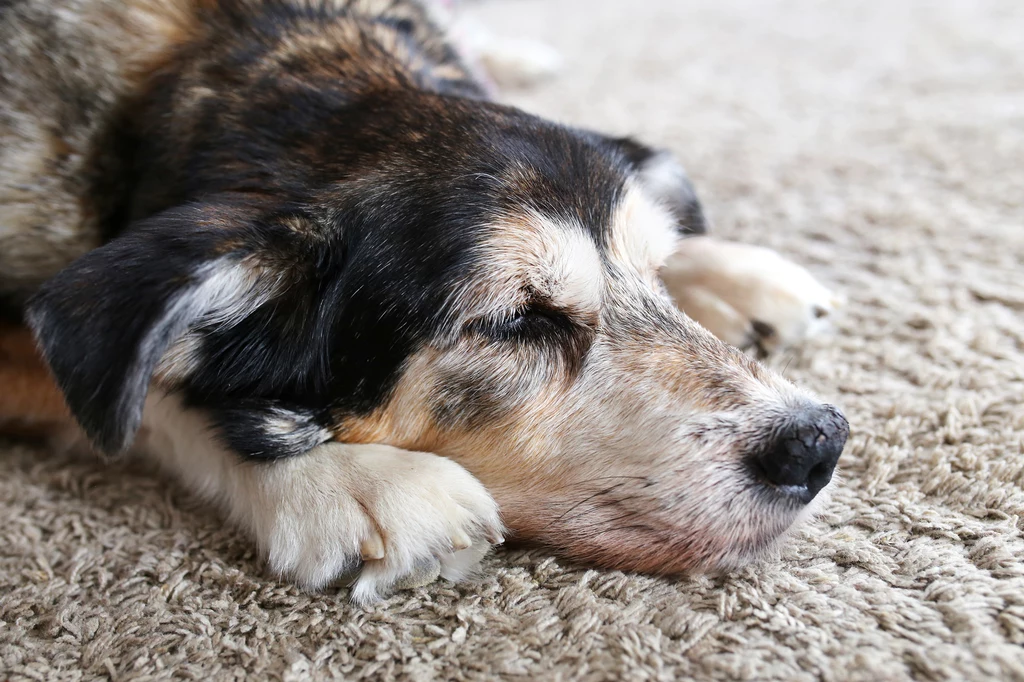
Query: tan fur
{"type": "Point", "coordinates": [533, 255]}
{"type": "Point", "coordinates": [30, 400]}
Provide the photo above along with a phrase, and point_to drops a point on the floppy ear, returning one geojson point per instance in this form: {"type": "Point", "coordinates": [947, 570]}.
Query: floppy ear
{"type": "Point", "coordinates": [105, 320]}
{"type": "Point", "coordinates": [664, 178]}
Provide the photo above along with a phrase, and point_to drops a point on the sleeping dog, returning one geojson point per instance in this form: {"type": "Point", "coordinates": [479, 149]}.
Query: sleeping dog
{"type": "Point", "coordinates": [292, 251]}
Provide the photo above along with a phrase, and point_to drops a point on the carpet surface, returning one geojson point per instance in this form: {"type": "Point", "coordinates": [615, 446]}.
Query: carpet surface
{"type": "Point", "coordinates": [880, 144]}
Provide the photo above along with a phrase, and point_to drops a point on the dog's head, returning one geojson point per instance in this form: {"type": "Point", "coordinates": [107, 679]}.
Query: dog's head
{"type": "Point", "coordinates": [456, 277]}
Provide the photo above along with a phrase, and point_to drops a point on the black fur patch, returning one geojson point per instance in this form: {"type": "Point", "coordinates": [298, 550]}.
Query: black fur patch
{"type": "Point", "coordinates": [269, 430]}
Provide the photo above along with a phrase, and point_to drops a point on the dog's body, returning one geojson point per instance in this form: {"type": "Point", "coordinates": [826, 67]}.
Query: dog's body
{"type": "Point", "coordinates": [290, 248]}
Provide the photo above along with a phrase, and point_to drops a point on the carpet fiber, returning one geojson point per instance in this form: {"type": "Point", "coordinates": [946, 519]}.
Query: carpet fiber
{"type": "Point", "coordinates": [880, 144]}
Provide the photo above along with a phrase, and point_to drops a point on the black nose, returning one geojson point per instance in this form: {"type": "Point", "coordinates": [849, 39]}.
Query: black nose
{"type": "Point", "coordinates": [804, 454]}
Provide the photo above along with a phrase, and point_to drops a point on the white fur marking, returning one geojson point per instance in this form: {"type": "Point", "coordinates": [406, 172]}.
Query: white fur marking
{"type": "Point", "coordinates": [228, 291]}
{"type": "Point", "coordinates": [643, 233]}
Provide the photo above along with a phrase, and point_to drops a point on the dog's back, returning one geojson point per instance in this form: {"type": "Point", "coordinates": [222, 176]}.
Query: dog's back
{"type": "Point", "coordinates": [62, 68]}
{"type": "Point", "coordinates": [66, 71]}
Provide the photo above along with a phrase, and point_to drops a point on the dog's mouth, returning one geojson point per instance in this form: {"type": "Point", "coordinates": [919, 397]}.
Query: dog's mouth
{"type": "Point", "coordinates": [651, 528]}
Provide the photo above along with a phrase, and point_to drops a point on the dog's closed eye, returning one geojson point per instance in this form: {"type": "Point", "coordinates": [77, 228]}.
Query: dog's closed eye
{"type": "Point", "coordinates": [539, 327]}
{"type": "Point", "coordinates": [527, 323]}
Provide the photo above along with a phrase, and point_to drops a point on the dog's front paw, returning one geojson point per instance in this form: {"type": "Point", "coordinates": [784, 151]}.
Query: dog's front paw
{"type": "Point", "coordinates": [748, 296]}
{"type": "Point", "coordinates": [398, 518]}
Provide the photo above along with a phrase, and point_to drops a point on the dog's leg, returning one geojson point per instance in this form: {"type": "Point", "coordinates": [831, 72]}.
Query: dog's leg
{"type": "Point", "coordinates": [30, 402]}
{"type": "Point", "coordinates": [748, 296]}
{"type": "Point", "coordinates": [395, 517]}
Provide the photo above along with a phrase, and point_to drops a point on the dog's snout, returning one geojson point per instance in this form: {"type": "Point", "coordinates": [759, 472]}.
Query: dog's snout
{"type": "Point", "coordinates": [804, 455]}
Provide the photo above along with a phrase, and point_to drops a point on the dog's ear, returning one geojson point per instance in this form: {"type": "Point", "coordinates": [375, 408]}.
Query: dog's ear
{"type": "Point", "coordinates": [664, 178]}
{"type": "Point", "coordinates": [104, 322]}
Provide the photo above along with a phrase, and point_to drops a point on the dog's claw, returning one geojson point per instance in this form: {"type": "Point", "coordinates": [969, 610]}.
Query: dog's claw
{"type": "Point", "coordinates": [460, 540]}
{"type": "Point", "coordinates": [372, 548]}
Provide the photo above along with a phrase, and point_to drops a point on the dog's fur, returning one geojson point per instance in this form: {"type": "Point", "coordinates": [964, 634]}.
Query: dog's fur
{"type": "Point", "coordinates": [289, 248]}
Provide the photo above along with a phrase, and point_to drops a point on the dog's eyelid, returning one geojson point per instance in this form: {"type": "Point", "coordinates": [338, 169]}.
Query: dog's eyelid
{"type": "Point", "coordinates": [538, 308]}
{"type": "Point", "coordinates": [544, 309]}
{"type": "Point", "coordinates": [540, 303]}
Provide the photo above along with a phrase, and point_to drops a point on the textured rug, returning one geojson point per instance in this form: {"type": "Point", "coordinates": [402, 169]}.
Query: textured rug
{"type": "Point", "coordinates": [881, 144]}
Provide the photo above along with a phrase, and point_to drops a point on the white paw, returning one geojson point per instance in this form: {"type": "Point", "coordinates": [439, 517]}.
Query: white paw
{"type": "Point", "coordinates": [515, 62]}
{"type": "Point", "coordinates": [509, 62]}
{"type": "Point", "coordinates": [398, 518]}
{"type": "Point", "coordinates": [748, 296]}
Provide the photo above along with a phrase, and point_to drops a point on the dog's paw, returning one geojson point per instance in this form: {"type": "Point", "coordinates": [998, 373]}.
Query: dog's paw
{"type": "Point", "coordinates": [396, 518]}
{"type": "Point", "coordinates": [748, 296]}
{"type": "Point", "coordinates": [508, 62]}
{"type": "Point", "coordinates": [519, 62]}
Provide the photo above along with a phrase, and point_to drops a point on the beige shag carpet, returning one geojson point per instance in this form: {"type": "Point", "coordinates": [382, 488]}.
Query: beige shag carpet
{"type": "Point", "coordinates": [881, 144]}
